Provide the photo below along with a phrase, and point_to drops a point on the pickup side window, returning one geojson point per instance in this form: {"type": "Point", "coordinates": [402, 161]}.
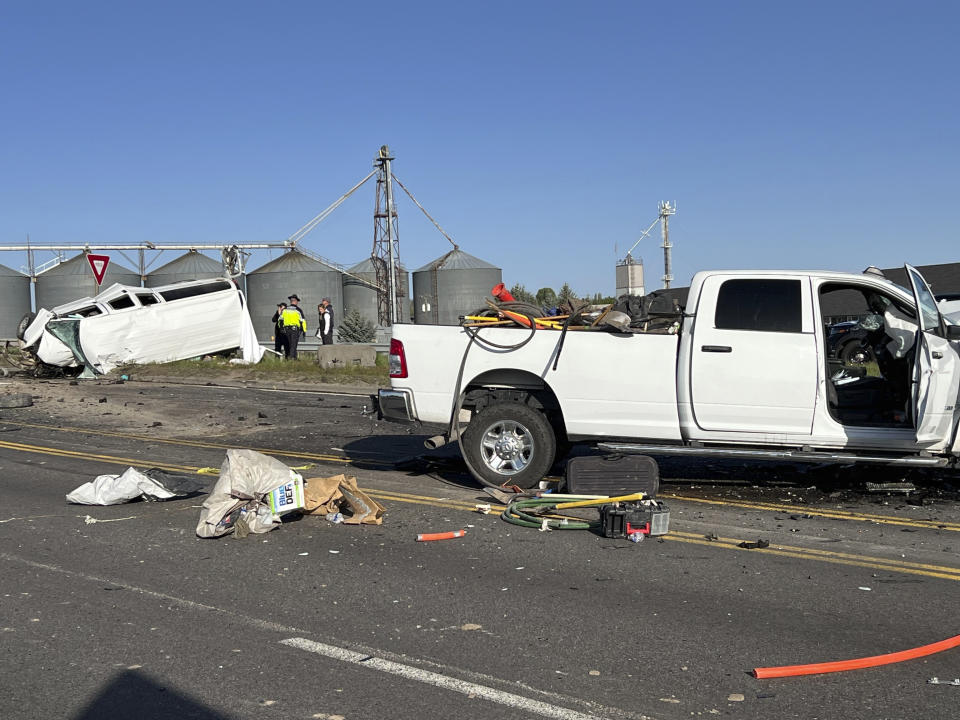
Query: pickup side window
{"type": "Point", "coordinates": [760, 304]}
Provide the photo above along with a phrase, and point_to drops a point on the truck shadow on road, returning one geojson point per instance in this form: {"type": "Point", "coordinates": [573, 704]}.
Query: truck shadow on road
{"type": "Point", "coordinates": [134, 694]}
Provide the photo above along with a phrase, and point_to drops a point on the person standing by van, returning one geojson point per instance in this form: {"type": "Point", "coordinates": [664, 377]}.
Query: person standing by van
{"type": "Point", "coordinates": [279, 337]}
{"type": "Point", "coordinates": [294, 325]}
{"type": "Point", "coordinates": [326, 321]}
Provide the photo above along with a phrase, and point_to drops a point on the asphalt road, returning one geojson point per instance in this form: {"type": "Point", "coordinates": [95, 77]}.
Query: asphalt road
{"type": "Point", "coordinates": [121, 611]}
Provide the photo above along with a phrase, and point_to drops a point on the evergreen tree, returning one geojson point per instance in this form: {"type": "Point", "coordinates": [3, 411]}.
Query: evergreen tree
{"type": "Point", "coordinates": [566, 294]}
{"type": "Point", "coordinates": [546, 297]}
{"type": "Point", "coordinates": [355, 328]}
{"type": "Point", "coordinates": [521, 294]}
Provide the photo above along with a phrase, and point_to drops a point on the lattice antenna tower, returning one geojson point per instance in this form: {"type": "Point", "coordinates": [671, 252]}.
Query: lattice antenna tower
{"type": "Point", "coordinates": [386, 242]}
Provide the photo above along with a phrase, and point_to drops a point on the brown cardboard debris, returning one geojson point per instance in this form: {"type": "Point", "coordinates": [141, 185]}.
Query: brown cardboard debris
{"type": "Point", "coordinates": [337, 493]}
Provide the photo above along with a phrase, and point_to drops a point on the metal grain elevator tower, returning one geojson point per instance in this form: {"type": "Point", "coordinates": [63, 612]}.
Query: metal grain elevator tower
{"type": "Point", "coordinates": [386, 243]}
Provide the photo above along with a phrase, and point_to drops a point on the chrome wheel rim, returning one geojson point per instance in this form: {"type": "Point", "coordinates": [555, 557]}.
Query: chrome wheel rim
{"type": "Point", "coordinates": [506, 447]}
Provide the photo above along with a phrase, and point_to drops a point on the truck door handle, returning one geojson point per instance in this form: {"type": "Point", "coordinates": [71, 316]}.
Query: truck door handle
{"type": "Point", "coordinates": [716, 348]}
{"type": "Point", "coordinates": [937, 355]}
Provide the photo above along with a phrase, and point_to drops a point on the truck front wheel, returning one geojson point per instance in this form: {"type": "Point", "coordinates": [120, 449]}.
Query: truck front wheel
{"type": "Point", "coordinates": [509, 443]}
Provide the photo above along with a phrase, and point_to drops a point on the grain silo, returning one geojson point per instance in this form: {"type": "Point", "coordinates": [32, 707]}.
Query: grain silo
{"type": "Point", "coordinates": [14, 301]}
{"type": "Point", "coordinates": [191, 265]}
{"type": "Point", "coordinates": [630, 276]}
{"type": "Point", "coordinates": [292, 273]}
{"type": "Point", "coordinates": [73, 279]}
{"type": "Point", "coordinates": [363, 297]}
{"type": "Point", "coordinates": [452, 285]}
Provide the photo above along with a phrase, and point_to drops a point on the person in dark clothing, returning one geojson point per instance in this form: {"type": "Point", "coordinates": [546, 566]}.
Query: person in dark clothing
{"type": "Point", "coordinates": [279, 337]}
{"type": "Point", "coordinates": [294, 325]}
{"type": "Point", "coordinates": [326, 321]}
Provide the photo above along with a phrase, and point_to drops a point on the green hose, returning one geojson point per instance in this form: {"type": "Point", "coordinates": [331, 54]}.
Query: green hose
{"type": "Point", "coordinates": [515, 513]}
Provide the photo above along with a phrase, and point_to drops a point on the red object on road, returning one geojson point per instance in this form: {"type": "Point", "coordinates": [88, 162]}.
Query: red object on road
{"type": "Point", "coordinates": [426, 537]}
{"type": "Point", "coordinates": [857, 664]}
{"type": "Point", "coordinates": [501, 293]}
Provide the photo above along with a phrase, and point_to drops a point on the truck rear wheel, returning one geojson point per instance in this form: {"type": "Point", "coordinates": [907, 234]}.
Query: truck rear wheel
{"type": "Point", "coordinates": [509, 443]}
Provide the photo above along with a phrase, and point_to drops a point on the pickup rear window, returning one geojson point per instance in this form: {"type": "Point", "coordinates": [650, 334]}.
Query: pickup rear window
{"type": "Point", "coordinates": [763, 305]}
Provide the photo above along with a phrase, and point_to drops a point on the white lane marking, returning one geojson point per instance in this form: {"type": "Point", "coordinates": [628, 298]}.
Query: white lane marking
{"type": "Point", "coordinates": [365, 660]}
{"type": "Point", "coordinates": [445, 682]}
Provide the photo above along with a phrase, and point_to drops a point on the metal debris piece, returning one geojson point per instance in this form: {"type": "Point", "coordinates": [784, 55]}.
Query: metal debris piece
{"type": "Point", "coordinates": [938, 681]}
{"type": "Point", "coordinates": [892, 487]}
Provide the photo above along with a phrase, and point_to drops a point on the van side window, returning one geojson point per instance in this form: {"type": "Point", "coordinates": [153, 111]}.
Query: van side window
{"type": "Point", "coordinates": [762, 305]}
{"type": "Point", "coordinates": [121, 303]}
{"type": "Point", "coordinates": [194, 290]}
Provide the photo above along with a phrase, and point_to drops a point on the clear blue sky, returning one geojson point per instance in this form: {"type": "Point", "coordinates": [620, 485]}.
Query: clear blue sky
{"type": "Point", "coordinates": [541, 135]}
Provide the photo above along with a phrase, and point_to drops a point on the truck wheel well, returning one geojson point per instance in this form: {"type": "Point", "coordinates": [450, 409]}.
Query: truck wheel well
{"type": "Point", "coordinates": [476, 397]}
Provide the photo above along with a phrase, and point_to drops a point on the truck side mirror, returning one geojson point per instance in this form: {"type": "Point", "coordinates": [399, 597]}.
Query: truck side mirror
{"type": "Point", "coordinates": [953, 332]}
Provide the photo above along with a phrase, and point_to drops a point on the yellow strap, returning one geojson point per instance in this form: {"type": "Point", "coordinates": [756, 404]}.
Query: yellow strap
{"type": "Point", "coordinates": [602, 501]}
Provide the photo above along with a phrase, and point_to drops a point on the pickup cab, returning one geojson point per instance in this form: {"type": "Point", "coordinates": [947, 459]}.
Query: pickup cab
{"type": "Point", "coordinates": [744, 372]}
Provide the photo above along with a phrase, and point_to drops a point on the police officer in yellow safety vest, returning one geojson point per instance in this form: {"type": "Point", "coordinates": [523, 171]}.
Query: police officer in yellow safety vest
{"type": "Point", "coordinates": [294, 325]}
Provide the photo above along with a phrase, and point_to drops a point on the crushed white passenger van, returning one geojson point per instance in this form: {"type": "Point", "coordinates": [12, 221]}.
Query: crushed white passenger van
{"type": "Point", "coordinates": [126, 324]}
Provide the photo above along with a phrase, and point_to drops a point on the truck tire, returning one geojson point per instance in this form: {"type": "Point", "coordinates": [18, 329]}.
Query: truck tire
{"type": "Point", "coordinates": [24, 323]}
{"type": "Point", "coordinates": [509, 443]}
{"type": "Point", "coordinates": [855, 353]}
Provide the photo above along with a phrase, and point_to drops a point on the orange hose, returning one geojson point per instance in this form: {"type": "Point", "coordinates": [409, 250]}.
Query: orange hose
{"type": "Point", "coordinates": [858, 664]}
{"type": "Point", "coordinates": [426, 537]}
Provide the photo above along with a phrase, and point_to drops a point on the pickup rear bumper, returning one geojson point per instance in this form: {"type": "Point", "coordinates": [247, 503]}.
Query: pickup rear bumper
{"type": "Point", "coordinates": [396, 406]}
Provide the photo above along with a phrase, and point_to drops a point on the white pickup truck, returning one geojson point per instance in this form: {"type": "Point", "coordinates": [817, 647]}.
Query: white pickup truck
{"type": "Point", "coordinates": [744, 373]}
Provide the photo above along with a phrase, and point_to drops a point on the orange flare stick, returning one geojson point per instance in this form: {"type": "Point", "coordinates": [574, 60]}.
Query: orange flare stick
{"type": "Point", "coordinates": [858, 664]}
{"type": "Point", "coordinates": [426, 537]}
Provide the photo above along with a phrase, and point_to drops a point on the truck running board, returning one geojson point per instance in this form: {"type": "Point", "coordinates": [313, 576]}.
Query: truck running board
{"type": "Point", "coordinates": [789, 455]}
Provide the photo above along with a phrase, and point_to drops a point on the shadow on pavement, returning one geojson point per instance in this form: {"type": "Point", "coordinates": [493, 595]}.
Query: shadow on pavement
{"type": "Point", "coordinates": [132, 694]}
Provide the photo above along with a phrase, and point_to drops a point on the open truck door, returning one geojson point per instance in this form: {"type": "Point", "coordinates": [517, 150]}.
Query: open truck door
{"type": "Point", "coordinates": [936, 373]}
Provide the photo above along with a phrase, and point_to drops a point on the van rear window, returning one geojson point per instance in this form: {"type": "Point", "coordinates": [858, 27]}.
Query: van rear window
{"type": "Point", "coordinates": [194, 290]}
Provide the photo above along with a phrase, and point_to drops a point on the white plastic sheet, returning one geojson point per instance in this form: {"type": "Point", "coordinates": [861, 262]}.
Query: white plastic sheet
{"type": "Point", "coordinates": [117, 489]}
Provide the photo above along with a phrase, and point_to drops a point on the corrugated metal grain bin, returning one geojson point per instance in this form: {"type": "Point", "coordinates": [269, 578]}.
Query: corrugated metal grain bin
{"type": "Point", "coordinates": [14, 301]}
{"type": "Point", "coordinates": [363, 298]}
{"type": "Point", "coordinates": [452, 285]}
{"type": "Point", "coordinates": [191, 265]}
{"type": "Point", "coordinates": [292, 273]}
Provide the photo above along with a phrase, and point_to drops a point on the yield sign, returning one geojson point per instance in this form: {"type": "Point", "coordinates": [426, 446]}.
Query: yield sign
{"type": "Point", "coordinates": [98, 263]}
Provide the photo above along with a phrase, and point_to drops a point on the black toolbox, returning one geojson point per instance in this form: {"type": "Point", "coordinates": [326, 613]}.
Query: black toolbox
{"type": "Point", "coordinates": [613, 475]}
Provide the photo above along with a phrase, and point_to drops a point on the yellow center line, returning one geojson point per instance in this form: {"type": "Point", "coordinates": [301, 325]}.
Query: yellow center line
{"type": "Point", "coordinates": [91, 456]}
{"type": "Point", "coordinates": [863, 561]}
{"type": "Point", "coordinates": [819, 512]}
{"type": "Point", "coordinates": [207, 445]}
